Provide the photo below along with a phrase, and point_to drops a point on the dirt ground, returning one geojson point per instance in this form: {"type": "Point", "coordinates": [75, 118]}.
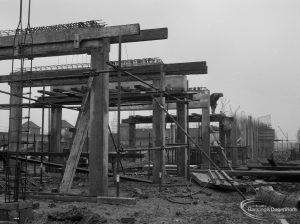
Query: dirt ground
{"type": "Point", "coordinates": [153, 206]}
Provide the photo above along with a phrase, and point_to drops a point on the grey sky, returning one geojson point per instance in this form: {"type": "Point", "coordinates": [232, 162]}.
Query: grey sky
{"type": "Point", "coordinates": [251, 46]}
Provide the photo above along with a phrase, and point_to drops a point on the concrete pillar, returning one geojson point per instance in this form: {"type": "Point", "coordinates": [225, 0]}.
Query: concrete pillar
{"type": "Point", "coordinates": [132, 138]}
{"type": "Point", "coordinates": [233, 143]}
{"type": "Point", "coordinates": [181, 153]}
{"type": "Point", "coordinates": [159, 133]}
{"type": "Point", "coordinates": [206, 134]}
{"type": "Point", "coordinates": [98, 128]}
{"type": "Point", "coordinates": [15, 117]}
{"type": "Point", "coordinates": [222, 135]}
{"type": "Point", "coordinates": [173, 133]}
{"type": "Point", "coordinates": [250, 137]}
{"type": "Point", "coordinates": [55, 133]}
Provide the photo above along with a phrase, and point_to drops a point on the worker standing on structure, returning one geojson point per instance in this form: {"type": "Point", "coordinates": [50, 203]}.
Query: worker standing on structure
{"type": "Point", "coordinates": [213, 101]}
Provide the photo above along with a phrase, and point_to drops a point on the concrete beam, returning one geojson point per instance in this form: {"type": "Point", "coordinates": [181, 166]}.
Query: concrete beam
{"type": "Point", "coordinates": [192, 118]}
{"type": "Point", "coordinates": [61, 36]}
{"type": "Point", "coordinates": [75, 76]}
{"type": "Point", "coordinates": [57, 43]}
{"type": "Point", "coordinates": [62, 42]}
{"type": "Point", "coordinates": [145, 35]}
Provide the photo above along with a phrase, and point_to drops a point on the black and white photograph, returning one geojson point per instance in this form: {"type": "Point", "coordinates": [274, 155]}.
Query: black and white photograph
{"type": "Point", "coordinates": [149, 112]}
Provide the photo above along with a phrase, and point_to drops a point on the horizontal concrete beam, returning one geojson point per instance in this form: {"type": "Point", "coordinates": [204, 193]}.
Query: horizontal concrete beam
{"type": "Point", "coordinates": [170, 106]}
{"type": "Point", "coordinates": [67, 77]}
{"type": "Point", "coordinates": [145, 35]}
{"type": "Point", "coordinates": [192, 118]}
{"type": "Point", "coordinates": [47, 44]}
{"type": "Point", "coordinates": [60, 36]}
{"type": "Point", "coordinates": [137, 97]}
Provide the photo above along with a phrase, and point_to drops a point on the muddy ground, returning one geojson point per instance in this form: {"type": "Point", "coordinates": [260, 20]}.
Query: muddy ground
{"type": "Point", "coordinates": [208, 206]}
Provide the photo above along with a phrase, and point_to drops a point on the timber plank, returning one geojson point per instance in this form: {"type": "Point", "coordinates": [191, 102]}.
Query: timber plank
{"type": "Point", "coordinates": [77, 145]}
{"type": "Point", "coordinates": [79, 198]}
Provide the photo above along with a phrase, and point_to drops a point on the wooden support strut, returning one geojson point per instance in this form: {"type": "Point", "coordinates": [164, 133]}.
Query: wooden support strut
{"type": "Point", "coordinates": [77, 144]}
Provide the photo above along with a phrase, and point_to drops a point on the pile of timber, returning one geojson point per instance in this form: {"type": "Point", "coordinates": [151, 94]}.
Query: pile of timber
{"type": "Point", "coordinates": [214, 179]}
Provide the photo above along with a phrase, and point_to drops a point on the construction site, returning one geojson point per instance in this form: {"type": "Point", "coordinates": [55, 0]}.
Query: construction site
{"type": "Point", "coordinates": [149, 143]}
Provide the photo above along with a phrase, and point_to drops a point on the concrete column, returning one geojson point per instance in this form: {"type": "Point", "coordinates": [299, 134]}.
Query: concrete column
{"type": "Point", "coordinates": [132, 138]}
{"type": "Point", "coordinates": [98, 128]}
{"type": "Point", "coordinates": [173, 133]}
{"type": "Point", "coordinates": [206, 135]}
{"type": "Point", "coordinates": [15, 117]}
{"type": "Point", "coordinates": [55, 133]}
{"type": "Point", "coordinates": [159, 133]}
{"type": "Point", "coordinates": [250, 138]}
{"type": "Point", "coordinates": [222, 135]}
{"type": "Point", "coordinates": [181, 153]}
{"type": "Point", "coordinates": [233, 143]}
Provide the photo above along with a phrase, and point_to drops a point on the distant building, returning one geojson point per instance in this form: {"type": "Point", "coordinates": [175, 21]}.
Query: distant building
{"type": "Point", "coordinates": [65, 128]}
{"type": "Point", "coordinates": [32, 128]}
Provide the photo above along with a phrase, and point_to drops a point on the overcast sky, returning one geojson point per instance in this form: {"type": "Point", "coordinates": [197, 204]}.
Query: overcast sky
{"type": "Point", "coordinates": [252, 47]}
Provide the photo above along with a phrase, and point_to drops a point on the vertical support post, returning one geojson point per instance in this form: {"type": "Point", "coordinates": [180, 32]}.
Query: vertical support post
{"type": "Point", "coordinates": [55, 132]}
{"type": "Point", "coordinates": [98, 144]}
{"type": "Point", "coordinates": [173, 133]}
{"type": "Point", "coordinates": [42, 141]}
{"type": "Point", "coordinates": [255, 141]}
{"type": "Point", "coordinates": [181, 153]}
{"type": "Point", "coordinates": [250, 137]}
{"type": "Point", "coordinates": [119, 115]}
{"type": "Point", "coordinates": [132, 136]}
{"type": "Point", "coordinates": [205, 123]}
{"type": "Point", "coordinates": [233, 143]}
{"type": "Point", "coordinates": [197, 154]}
{"type": "Point", "coordinates": [15, 117]}
{"type": "Point", "coordinates": [159, 132]}
{"type": "Point", "coordinates": [149, 155]}
{"type": "Point", "coordinates": [223, 143]}
{"type": "Point", "coordinates": [188, 142]}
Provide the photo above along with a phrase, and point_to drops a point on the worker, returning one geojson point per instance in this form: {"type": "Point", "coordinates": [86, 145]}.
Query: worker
{"type": "Point", "coordinates": [213, 101]}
